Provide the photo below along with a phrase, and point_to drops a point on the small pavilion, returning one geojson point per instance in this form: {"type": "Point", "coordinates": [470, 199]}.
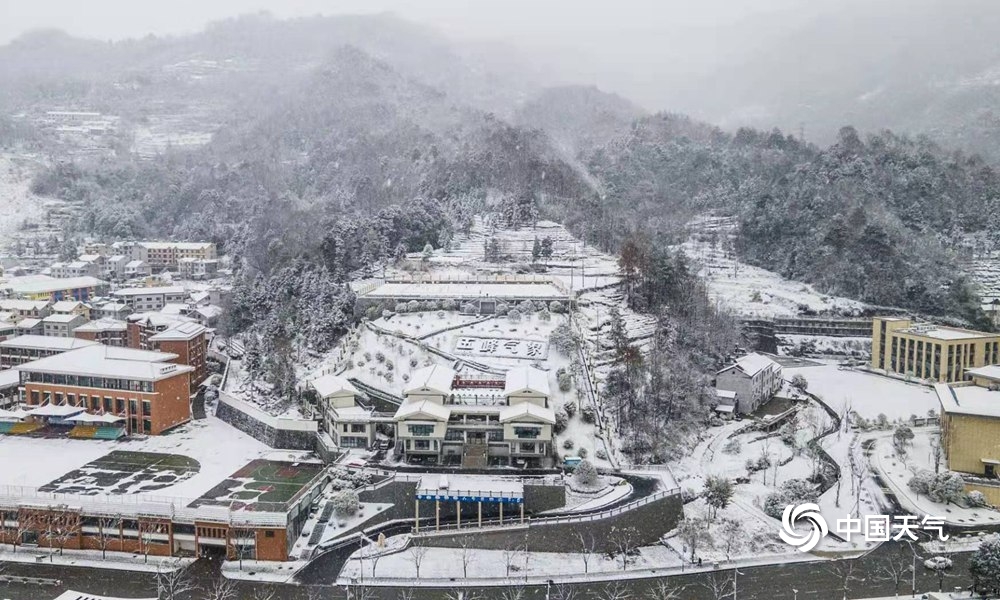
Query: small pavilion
{"type": "Point", "coordinates": [469, 489]}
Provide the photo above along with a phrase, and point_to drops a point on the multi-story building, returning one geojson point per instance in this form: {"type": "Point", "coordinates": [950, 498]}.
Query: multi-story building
{"type": "Point", "coordinates": [114, 268]}
{"type": "Point", "coordinates": [197, 268]}
{"type": "Point", "coordinates": [137, 268]}
{"type": "Point", "coordinates": [110, 309]}
{"type": "Point", "coordinates": [110, 332]}
{"type": "Point", "coordinates": [26, 309]}
{"type": "Point", "coordinates": [61, 325]}
{"type": "Point", "coordinates": [753, 379]}
{"type": "Point", "coordinates": [30, 327]}
{"type": "Point", "coordinates": [43, 287]}
{"type": "Point", "coordinates": [476, 422]}
{"type": "Point", "coordinates": [151, 298]}
{"type": "Point", "coordinates": [26, 348]}
{"type": "Point", "coordinates": [929, 351]}
{"type": "Point", "coordinates": [145, 388]}
{"type": "Point", "coordinates": [349, 423]}
{"type": "Point", "coordinates": [189, 342]}
{"type": "Point", "coordinates": [970, 428]}
{"type": "Point", "coordinates": [142, 326]}
{"type": "Point", "coordinates": [164, 255]}
{"type": "Point", "coordinates": [77, 268]}
{"type": "Point", "coordinates": [71, 307]}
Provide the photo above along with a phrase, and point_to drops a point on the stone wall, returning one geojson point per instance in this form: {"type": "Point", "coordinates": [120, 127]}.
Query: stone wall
{"type": "Point", "coordinates": [648, 522]}
{"type": "Point", "coordinates": [283, 439]}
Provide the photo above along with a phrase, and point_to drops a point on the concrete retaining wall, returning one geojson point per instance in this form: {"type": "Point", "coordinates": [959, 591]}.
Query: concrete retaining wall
{"type": "Point", "coordinates": [285, 434]}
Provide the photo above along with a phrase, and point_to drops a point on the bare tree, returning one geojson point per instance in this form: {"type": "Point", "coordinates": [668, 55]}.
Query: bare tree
{"type": "Point", "coordinates": [511, 552]}
{"type": "Point", "coordinates": [718, 585]}
{"type": "Point", "coordinates": [239, 536]}
{"type": "Point", "coordinates": [264, 593]}
{"type": "Point", "coordinates": [461, 594]}
{"type": "Point", "coordinates": [894, 567]}
{"type": "Point", "coordinates": [562, 591]}
{"type": "Point", "coordinates": [513, 591]}
{"type": "Point", "coordinates": [417, 555]}
{"type": "Point", "coordinates": [22, 527]}
{"type": "Point", "coordinates": [843, 570]}
{"type": "Point", "coordinates": [173, 581]}
{"type": "Point", "coordinates": [662, 590]}
{"type": "Point", "coordinates": [405, 594]}
{"type": "Point", "coordinates": [859, 471]}
{"type": "Point", "coordinates": [108, 528]}
{"type": "Point", "coordinates": [732, 535]}
{"type": "Point", "coordinates": [467, 554]}
{"type": "Point", "coordinates": [615, 590]}
{"type": "Point", "coordinates": [937, 455]}
{"type": "Point", "coordinates": [694, 532]}
{"type": "Point", "coordinates": [221, 589]}
{"type": "Point", "coordinates": [624, 541]}
{"type": "Point", "coordinates": [588, 545]}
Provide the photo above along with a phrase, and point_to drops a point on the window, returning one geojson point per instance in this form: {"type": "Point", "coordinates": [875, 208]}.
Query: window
{"type": "Point", "coordinates": [358, 428]}
{"type": "Point", "coordinates": [495, 436]}
{"type": "Point", "coordinates": [147, 408]}
{"type": "Point", "coordinates": [147, 425]}
{"type": "Point", "coordinates": [421, 444]}
{"type": "Point", "coordinates": [526, 448]}
{"type": "Point", "coordinates": [454, 435]}
{"type": "Point", "coordinates": [990, 470]}
{"type": "Point", "coordinates": [269, 534]}
{"type": "Point", "coordinates": [421, 430]}
{"type": "Point", "coordinates": [71, 399]}
{"type": "Point", "coordinates": [59, 398]}
{"type": "Point", "coordinates": [527, 432]}
{"type": "Point", "coordinates": [35, 397]}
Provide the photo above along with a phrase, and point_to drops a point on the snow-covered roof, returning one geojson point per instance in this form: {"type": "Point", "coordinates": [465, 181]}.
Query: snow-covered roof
{"type": "Point", "coordinates": [149, 291]}
{"type": "Point", "coordinates": [434, 378]}
{"type": "Point", "coordinates": [523, 410]}
{"type": "Point", "coordinates": [28, 323]}
{"type": "Point", "coordinates": [103, 325]}
{"type": "Point", "coordinates": [353, 414]}
{"type": "Point", "coordinates": [177, 245]}
{"type": "Point", "coordinates": [725, 408]}
{"type": "Point", "coordinates": [331, 385]}
{"type": "Point", "coordinates": [71, 595]}
{"type": "Point", "coordinates": [109, 361]}
{"type": "Point", "coordinates": [423, 407]}
{"type": "Point", "coordinates": [157, 319]}
{"type": "Point", "coordinates": [988, 372]}
{"type": "Point", "coordinates": [14, 304]}
{"type": "Point", "coordinates": [942, 332]}
{"type": "Point", "coordinates": [9, 378]}
{"type": "Point", "coordinates": [117, 258]}
{"type": "Point", "coordinates": [89, 258]}
{"type": "Point", "coordinates": [210, 311]}
{"type": "Point", "coordinates": [61, 318]}
{"type": "Point", "coordinates": [180, 332]}
{"type": "Point", "coordinates": [526, 379]}
{"type": "Point", "coordinates": [64, 306]}
{"type": "Point", "coordinates": [752, 363]}
{"type": "Point", "coordinates": [475, 487]}
{"type": "Point", "coordinates": [56, 410]}
{"type": "Point", "coordinates": [135, 264]}
{"type": "Point", "coordinates": [43, 284]}
{"type": "Point", "coordinates": [13, 415]}
{"type": "Point", "coordinates": [727, 394]}
{"type": "Point", "coordinates": [46, 342]}
{"type": "Point", "coordinates": [968, 400]}
{"type": "Point", "coordinates": [89, 418]}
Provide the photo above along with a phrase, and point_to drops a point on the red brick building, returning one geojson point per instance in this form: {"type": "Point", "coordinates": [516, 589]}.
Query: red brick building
{"type": "Point", "coordinates": [145, 388]}
{"type": "Point", "coordinates": [109, 332]}
{"type": "Point", "coordinates": [189, 342]}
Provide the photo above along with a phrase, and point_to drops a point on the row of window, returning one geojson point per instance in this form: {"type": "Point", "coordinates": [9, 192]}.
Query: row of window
{"type": "Point", "coordinates": [93, 403]}
{"type": "Point", "coordinates": [106, 383]}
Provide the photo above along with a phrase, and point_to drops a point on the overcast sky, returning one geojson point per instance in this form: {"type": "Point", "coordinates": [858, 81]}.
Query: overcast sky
{"type": "Point", "coordinates": [531, 21]}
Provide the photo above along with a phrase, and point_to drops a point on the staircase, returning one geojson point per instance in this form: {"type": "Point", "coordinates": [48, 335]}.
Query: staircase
{"type": "Point", "coordinates": [474, 455]}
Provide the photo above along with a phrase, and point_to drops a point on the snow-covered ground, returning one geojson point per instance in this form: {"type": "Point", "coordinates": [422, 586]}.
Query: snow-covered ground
{"type": "Point", "coordinates": [750, 291]}
{"type": "Point", "coordinates": [824, 345]}
{"type": "Point", "coordinates": [17, 204]}
{"type": "Point", "coordinates": [34, 462]}
{"type": "Point", "coordinates": [868, 394]}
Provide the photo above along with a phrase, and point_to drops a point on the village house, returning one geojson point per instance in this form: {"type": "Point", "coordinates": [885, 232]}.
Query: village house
{"type": "Point", "coordinates": [752, 379]}
{"type": "Point", "coordinates": [151, 298]}
{"type": "Point", "coordinates": [61, 325]}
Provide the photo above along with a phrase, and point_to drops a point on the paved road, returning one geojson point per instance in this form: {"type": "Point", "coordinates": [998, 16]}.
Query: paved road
{"type": "Point", "coordinates": [815, 581]}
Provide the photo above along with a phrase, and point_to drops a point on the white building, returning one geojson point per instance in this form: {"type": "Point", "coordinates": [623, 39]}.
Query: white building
{"type": "Point", "coordinates": [151, 298]}
{"type": "Point", "coordinates": [476, 422]}
{"type": "Point", "coordinates": [62, 325]}
{"type": "Point", "coordinates": [754, 379]}
{"type": "Point", "coordinates": [349, 423]}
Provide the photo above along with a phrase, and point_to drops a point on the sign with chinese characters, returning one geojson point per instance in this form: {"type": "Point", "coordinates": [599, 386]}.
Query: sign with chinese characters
{"type": "Point", "coordinates": [501, 347]}
{"type": "Point", "coordinates": [870, 528]}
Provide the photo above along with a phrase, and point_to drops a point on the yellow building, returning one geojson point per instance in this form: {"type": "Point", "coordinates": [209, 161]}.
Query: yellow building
{"type": "Point", "coordinates": [929, 351]}
{"type": "Point", "coordinates": [970, 433]}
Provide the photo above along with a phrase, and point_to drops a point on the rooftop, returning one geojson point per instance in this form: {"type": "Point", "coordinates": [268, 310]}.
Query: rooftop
{"type": "Point", "coordinates": [178, 245]}
{"type": "Point", "coordinates": [942, 332]}
{"type": "Point", "coordinates": [965, 399]}
{"type": "Point", "coordinates": [521, 379]}
{"type": "Point", "coordinates": [180, 332]}
{"type": "Point", "coordinates": [15, 304]}
{"type": "Point", "coordinates": [473, 487]}
{"type": "Point", "coordinates": [103, 325]}
{"type": "Point", "coordinates": [425, 407]}
{"type": "Point", "coordinates": [147, 291]}
{"type": "Point", "coordinates": [987, 372]}
{"type": "Point", "coordinates": [523, 410]}
{"type": "Point", "coordinates": [328, 385]}
{"type": "Point", "coordinates": [66, 305]}
{"type": "Point", "coordinates": [108, 361]}
{"type": "Point", "coordinates": [434, 378]}
{"type": "Point", "coordinates": [46, 342]}
{"type": "Point", "coordinates": [61, 318]}
{"type": "Point", "coordinates": [41, 284]}
{"type": "Point", "coordinates": [752, 363]}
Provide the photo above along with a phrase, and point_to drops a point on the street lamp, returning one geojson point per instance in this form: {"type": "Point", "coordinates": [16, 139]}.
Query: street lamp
{"type": "Point", "coordinates": [736, 573]}
{"type": "Point", "coordinates": [795, 593]}
{"type": "Point", "coordinates": [548, 588]}
{"type": "Point", "coordinates": [913, 571]}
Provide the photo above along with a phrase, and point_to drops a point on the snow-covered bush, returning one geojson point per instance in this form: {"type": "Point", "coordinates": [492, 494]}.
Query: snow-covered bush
{"type": "Point", "coordinates": [793, 491]}
{"type": "Point", "coordinates": [372, 312]}
{"type": "Point", "coordinates": [514, 316]}
{"type": "Point", "coordinates": [469, 308]}
{"type": "Point", "coordinates": [379, 356]}
{"type": "Point", "coordinates": [406, 376]}
{"type": "Point", "coordinates": [601, 454]}
{"type": "Point", "coordinates": [570, 408]}
{"type": "Point", "coordinates": [562, 420]}
{"type": "Point", "coordinates": [975, 499]}
{"type": "Point", "coordinates": [921, 482]}
{"type": "Point", "coordinates": [585, 474]}
{"type": "Point", "coordinates": [565, 381]}
{"type": "Point", "coordinates": [582, 453]}
{"type": "Point", "coordinates": [947, 487]}
{"type": "Point", "coordinates": [386, 313]}
{"type": "Point", "coordinates": [502, 309]}
{"type": "Point", "coordinates": [556, 307]}
{"type": "Point", "coordinates": [545, 315]}
{"type": "Point", "coordinates": [527, 307]}
{"type": "Point", "coordinates": [587, 414]}
{"type": "Point", "coordinates": [412, 306]}
{"type": "Point", "coordinates": [732, 447]}
{"type": "Point", "coordinates": [568, 444]}
{"type": "Point", "coordinates": [562, 339]}
{"type": "Point", "coordinates": [368, 356]}
{"type": "Point", "coordinates": [346, 503]}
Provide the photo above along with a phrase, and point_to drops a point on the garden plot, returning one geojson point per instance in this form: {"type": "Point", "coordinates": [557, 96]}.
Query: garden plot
{"type": "Point", "coordinates": [261, 485]}
{"type": "Point", "coordinates": [125, 472]}
{"type": "Point", "coordinates": [423, 324]}
{"type": "Point", "coordinates": [867, 394]}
